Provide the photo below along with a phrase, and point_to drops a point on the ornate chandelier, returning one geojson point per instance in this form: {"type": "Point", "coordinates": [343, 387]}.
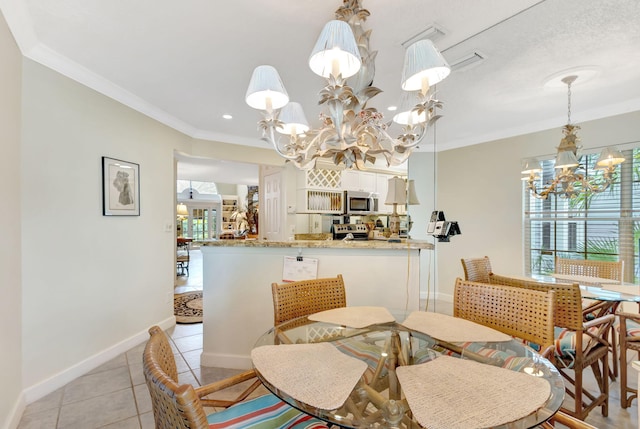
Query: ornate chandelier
{"type": "Point", "coordinates": [570, 179]}
{"type": "Point", "coordinates": [351, 133]}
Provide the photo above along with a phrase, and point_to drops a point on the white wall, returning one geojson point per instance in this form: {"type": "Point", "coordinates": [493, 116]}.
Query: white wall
{"type": "Point", "coordinates": [480, 187]}
{"type": "Point", "coordinates": [11, 403]}
{"type": "Point", "coordinates": [92, 284]}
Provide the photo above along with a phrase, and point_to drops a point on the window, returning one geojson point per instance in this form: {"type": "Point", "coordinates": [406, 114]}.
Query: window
{"type": "Point", "coordinates": [604, 226]}
{"type": "Point", "coordinates": [201, 187]}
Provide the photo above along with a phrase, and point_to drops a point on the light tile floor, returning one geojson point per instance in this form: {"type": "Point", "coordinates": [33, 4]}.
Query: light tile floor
{"type": "Point", "coordinates": [116, 396]}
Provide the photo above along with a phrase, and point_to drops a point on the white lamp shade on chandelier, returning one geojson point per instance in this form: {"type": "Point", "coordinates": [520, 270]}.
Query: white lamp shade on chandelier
{"type": "Point", "coordinates": [336, 51]}
{"type": "Point", "coordinates": [566, 159]}
{"type": "Point", "coordinates": [406, 114]}
{"type": "Point", "coordinates": [293, 120]}
{"type": "Point", "coordinates": [609, 157]}
{"type": "Point", "coordinates": [423, 65]}
{"type": "Point", "coordinates": [266, 90]}
{"type": "Point", "coordinates": [351, 132]}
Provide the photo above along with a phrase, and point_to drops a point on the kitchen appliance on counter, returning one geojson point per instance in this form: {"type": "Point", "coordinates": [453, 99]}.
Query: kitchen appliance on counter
{"type": "Point", "coordinates": [360, 203]}
{"type": "Point", "coordinates": [357, 231]}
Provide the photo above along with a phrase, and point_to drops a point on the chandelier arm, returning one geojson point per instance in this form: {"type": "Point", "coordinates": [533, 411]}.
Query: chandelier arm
{"type": "Point", "coordinates": [269, 134]}
{"type": "Point", "coordinates": [351, 133]}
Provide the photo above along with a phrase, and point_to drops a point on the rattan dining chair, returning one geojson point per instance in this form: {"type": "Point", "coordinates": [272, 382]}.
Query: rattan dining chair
{"type": "Point", "coordinates": [476, 269]}
{"type": "Point", "coordinates": [177, 406]}
{"type": "Point", "coordinates": [613, 270]}
{"type": "Point", "coordinates": [522, 313]}
{"type": "Point", "coordinates": [304, 297]}
{"type": "Point", "coordinates": [629, 334]}
{"type": "Point", "coordinates": [579, 344]}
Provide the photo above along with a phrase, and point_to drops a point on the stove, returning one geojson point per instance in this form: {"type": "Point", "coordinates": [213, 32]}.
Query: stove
{"type": "Point", "coordinates": [358, 231]}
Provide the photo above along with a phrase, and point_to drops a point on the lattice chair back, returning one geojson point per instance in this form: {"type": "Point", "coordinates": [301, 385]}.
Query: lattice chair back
{"type": "Point", "coordinates": [302, 298]}
{"type": "Point", "coordinates": [476, 269]}
{"type": "Point", "coordinates": [613, 270]}
{"type": "Point", "coordinates": [522, 313]}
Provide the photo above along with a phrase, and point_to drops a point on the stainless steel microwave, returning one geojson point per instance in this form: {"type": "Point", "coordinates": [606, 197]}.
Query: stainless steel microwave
{"type": "Point", "coordinates": [360, 203]}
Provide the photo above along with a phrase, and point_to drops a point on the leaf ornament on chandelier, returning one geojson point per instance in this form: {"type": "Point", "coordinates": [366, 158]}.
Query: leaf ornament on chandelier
{"type": "Point", "coordinates": [351, 133]}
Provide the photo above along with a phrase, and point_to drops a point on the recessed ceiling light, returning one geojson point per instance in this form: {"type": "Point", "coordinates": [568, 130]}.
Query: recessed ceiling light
{"type": "Point", "coordinates": [392, 108]}
{"type": "Point", "coordinates": [227, 116]}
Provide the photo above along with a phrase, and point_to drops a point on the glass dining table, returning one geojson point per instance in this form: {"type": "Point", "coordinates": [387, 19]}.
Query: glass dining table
{"type": "Point", "coordinates": [388, 375]}
{"type": "Point", "coordinates": [597, 289]}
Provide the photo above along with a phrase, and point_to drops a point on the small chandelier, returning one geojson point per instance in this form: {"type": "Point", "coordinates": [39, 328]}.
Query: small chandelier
{"type": "Point", "coordinates": [351, 133]}
{"type": "Point", "coordinates": [570, 179]}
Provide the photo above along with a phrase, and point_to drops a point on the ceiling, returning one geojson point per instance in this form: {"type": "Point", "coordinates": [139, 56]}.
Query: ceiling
{"type": "Point", "coordinates": [188, 63]}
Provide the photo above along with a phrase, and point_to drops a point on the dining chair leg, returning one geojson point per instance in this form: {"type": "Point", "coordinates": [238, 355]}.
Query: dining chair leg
{"type": "Point", "coordinates": [627, 394]}
{"type": "Point", "coordinates": [614, 354]}
{"type": "Point", "coordinates": [603, 381]}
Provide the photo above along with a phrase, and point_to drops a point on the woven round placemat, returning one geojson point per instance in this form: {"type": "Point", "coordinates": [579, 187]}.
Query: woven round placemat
{"type": "Point", "coordinates": [354, 317]}
{"type": "Point", "coordinates": [452, 393]}
{"type": "Point", "coordinates": [316, 374]}
{"type": "Point", "coordinates": [452, 329]}
{"type": "Point", "coordinates": [187, 307]}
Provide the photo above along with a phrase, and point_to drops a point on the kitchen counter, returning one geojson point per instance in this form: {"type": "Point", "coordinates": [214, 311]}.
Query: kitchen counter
{"type": "Point", "coordinates": [323, 244]}
{"type": "Point", "coordinates": [237, 277]}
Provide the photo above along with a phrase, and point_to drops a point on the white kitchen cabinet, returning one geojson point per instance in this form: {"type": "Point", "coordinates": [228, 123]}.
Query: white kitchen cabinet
{"type": "Point", "coordinates": [354, 180]}
{"type": "Point", "coordinates": [382, 185]}
{"type": "Point", "coordinates": [319, 178]}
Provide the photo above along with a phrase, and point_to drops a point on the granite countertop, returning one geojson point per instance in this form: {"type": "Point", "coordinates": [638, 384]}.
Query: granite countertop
{"type": "Point", "coordinates": [327, 244]}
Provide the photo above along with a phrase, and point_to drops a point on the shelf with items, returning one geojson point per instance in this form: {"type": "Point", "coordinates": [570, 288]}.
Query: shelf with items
{"type": "Point", "coordinates": [229, 206]}
{"type": "Point", "coordinates": [320, 201]}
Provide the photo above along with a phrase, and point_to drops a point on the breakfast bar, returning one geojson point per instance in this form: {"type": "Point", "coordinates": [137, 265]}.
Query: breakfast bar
{"type": "Point", "coordinates": [237, 277]}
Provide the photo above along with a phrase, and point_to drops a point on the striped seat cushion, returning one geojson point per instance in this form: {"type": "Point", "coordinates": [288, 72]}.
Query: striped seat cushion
{"type": "Point", "coordinates": [264, 412]}
{"type": "Point", "coordinates": [503, 358]}
{"type": "Point", "coordinates": [507, 360]}
{"type": "Point", "coordinates": [633, 328]}
{"type": "Point", "coordinates": [565, 344]}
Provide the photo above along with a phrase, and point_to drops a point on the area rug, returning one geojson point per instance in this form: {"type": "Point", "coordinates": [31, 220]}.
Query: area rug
{"type": "Point", "coordinates": [187, 307]}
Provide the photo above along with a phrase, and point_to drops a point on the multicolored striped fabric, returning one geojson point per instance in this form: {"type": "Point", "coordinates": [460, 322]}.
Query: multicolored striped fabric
{"type": "Point", "coordinates": [633, 328]}
{"type": "Point", "coordinates": [369, 353]}
{"type": "Point", "coordinates": [565, 344]}
{"type": "Point", "coordinates": [264, 412]}
{"type": "Point", "coordinates": [506, 359]}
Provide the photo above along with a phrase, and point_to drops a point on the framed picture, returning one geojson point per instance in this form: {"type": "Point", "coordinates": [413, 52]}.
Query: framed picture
{"type": "Point", "coordinates": [120, 188]}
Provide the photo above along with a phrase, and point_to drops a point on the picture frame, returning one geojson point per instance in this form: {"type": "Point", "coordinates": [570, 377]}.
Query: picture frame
{"type": "Point", "coordinates": [120, 187]}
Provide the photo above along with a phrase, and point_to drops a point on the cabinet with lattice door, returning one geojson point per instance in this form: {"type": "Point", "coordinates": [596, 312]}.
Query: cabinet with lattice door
{"type": "Point", "coordinates": [320, 191]}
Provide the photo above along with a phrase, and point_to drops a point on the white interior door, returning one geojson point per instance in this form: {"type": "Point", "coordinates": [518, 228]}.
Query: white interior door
{"type": "Point", "coordinates": [271, 219]}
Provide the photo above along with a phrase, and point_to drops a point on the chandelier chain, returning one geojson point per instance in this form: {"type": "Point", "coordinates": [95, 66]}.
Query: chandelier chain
{"type": "Point", "coordinates": [569, 102]}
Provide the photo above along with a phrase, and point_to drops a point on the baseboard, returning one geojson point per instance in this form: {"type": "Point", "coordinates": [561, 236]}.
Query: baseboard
{"type": "Point", "coordinates": [225, 361]}
{"type": "Point", "coordinates": [13, 419]}
{"type": "Point", "coordinates": [53, 383]}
